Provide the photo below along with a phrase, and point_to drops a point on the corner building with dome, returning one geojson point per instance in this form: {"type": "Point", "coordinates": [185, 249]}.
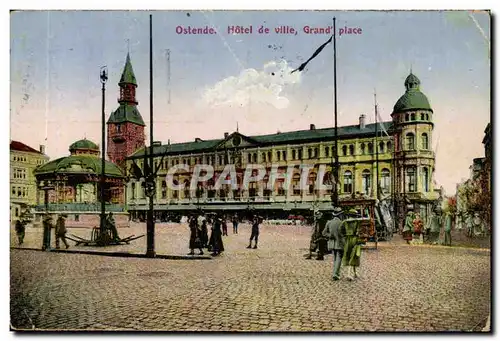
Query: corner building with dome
{"type": "Point", "coordinates": [405, 166]}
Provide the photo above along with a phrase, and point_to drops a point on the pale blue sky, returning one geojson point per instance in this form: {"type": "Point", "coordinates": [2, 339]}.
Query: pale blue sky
{"type": "Point", "coordinates": [56, 56]}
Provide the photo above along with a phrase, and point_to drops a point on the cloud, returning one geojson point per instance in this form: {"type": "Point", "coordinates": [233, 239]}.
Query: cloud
{"type": "Point", "coordinates": [252, 86]}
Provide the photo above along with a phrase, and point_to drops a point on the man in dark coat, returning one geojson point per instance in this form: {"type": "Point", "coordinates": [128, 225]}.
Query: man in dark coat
{"type": "Point", "coordinates": [110, 221]}
{"type": "Point", "coordinates": [20, 230]}
{"type": "Point", "coordinates": [224, 226]}
{"type": "Point", "coordinates": [217, 245]}
{"type": "Point", "coordinates": [255, 232]}
{"type": "Point", "coordinates": [318, 241]}
{"type": "Point", "coordinates": [61, 231]}
{"type": "Point", "coordinates": [235, 224]}
{"type": "Point", "coordinates": [204, 233]}
{"type": "Point", "coordinates": [336, 240]}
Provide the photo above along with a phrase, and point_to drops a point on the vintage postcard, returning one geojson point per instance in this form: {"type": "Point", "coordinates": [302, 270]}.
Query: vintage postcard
{"type": "Point", "coordinates": [250, 171]}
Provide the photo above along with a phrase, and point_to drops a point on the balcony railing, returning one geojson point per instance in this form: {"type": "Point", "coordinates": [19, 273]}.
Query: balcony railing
{"type": "Point", "coordinates": [80, 207]}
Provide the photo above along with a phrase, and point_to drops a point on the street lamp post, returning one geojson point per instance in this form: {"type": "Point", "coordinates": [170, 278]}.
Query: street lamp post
{"type": "Point", "coordinates": [102, 230]}
{"type": "Point", "coordinates": [46, 186]}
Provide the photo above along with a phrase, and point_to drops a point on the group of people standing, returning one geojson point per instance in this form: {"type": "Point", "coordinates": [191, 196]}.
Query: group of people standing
{"type": "Point", "coordinates": [340, 236]}
{"type": "Point", "coordinates": [414, 230]}
{"type": "Point", "coordinates": [198, 239]}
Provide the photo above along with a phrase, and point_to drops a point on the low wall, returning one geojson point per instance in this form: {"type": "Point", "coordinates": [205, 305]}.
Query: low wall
{"type": "Point", "coordinates": [84, 220]}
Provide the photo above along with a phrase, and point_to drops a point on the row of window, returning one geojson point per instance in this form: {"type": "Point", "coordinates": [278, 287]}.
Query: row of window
{"type": "Point", "coordinates": [19, 173]}
{"type": "Point", "coordinates": [411, 141]}
{"type": "Point", "coordinates": [413, 117]}
{"type": "Point", "coordinates": [24, 159]}
{"type": "Point", "coordinates": [19, 192]}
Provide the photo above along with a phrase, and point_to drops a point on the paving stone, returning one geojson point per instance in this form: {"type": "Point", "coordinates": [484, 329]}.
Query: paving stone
{"type": "Point", "coordinates": [270, 289]}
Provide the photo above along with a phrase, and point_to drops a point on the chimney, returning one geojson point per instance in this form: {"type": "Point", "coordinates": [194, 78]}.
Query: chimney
{"type": "Point", "coordinates": [42, 149]}
{"type": "Point", "coordinates": [362, 121]}
{"type": "Point", "coordinates": [312, 127]}
{"type": "Point", "coordinates": [226, 135]}
{"type": "Point", "coordinates": [197, 139]}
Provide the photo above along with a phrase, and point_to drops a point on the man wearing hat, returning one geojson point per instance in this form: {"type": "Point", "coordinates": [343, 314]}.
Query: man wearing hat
{"type": "Point", "coordinates": [318, 241]}
{"type": "Point", "coordinates": [61, 230]}
{"type": "Point", "coordinates": [47, 226]}
{"type": "Point", "coordinates": [352, 246]}
{"type": "Point", "coordinates": [336, 240]}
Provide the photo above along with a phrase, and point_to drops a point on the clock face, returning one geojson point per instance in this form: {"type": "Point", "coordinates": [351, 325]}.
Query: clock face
{"type": "Point", "coordinates": [236, 141]}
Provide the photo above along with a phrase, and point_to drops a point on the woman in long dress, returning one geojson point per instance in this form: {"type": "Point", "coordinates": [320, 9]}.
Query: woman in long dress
{"type": "Point", "coordinates": [408, 228]}
{"type": "Point", "coordinates": [194, 240]}
{"type": "Point", "coordinates": [217, 245]}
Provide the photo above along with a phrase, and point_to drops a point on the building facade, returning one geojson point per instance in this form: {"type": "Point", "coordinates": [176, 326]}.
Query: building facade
{"type": "Point", "coordinates": [405, 159]}
{"type": "Point", "coordinates": [23, 189]}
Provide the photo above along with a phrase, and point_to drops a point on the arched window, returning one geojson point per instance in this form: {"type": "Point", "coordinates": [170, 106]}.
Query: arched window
{"type": "Point", "coordinates": [422, 116]}
{"type": "Point", "coordinates": [381, 147]}
{"type": "Point", "coordinates": [187, 193]}
{"type": "Point", "coordinates": [344, 150]}
{"type": "Point", "coordinates": [278, 155]}
{"type": "Point", "coordinates": [348, 182]}
{"type": "Point", "coordinates": [296, 184]}
{"type": "Point", "coordinates": [389, 146]}
{"type": "Point", "coordinates": [163, 189]}
{"type": "Point", "coordinates": [300, 154]}
{"type": "Point", "coordinates": [362, 148]}
{"type": "Point", "coordinates": [413, 116]}
{"type": "Point", "coordinates": [316, 152]}
{"type": "Point", "coordinates": [294, 154]}
{"type": "Point", "coordinates": [425, 141]}
{"type": "Point", "coordinates": [410, 141]}
{"type": "Point", "coordinates": [407, 117]}
{"type": "Point", "coordinates": [411, 180]}
{"type": "Point", "coordinates": [249, 158]}
{"type": "Point", "coordinates": [385, 181]}
{"type": "Point", "coordinates": [427, 117]}
{"type": "Point", "coordinates": [370, 148]}
{"type": "Point", "coordinates": [269, 156]}
{"type": "Point", "coordinates": [132, 189]}
{"type": "Point", "coordinates": [263, 157]}
{"type": "Point", "coordinates": [327, 151]}
{"type": "Point", "coordinates": [351, 149]}
{"type": "Point", "coordinates": [366, 183]}
{"type": "Point", "coordinates": [255, 157]}
{"type": "Point", "coordinates": [312, 182]}
{"type": "Point", "coordinates": [310, 153]}
{"type": "Point", "coordinates": [425, 179]}
{"type": "Point", "coordinates": [284, 155]}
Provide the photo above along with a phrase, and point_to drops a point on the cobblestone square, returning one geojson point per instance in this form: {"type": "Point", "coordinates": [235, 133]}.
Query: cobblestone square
{"type": "Point", "coordinates": [273, 288]}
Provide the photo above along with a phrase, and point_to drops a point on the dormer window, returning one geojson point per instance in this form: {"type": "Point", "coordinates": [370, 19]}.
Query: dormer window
{"type": "Point", "coordinates": [118, 128]}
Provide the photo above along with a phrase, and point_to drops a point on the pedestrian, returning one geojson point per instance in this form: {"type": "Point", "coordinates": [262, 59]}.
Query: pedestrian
{"type": "Point", "coordinates": [217, 244]}
{"type": "Point", "coordinates": [447, 229]}
{"type": "Point", "coordinates": [235, 224]}
{"type": "Point", "coordinates": [352, 247]}
{"type": "Point", "coordinates": [434, 226]}
{"type": "Point", "coordinates": [204, 234]}
{"type": "Point", "coordinates": [194, 240]}
{"type": "Point", "coordinates": [20, 230]}
{"type": "Point", "coordinates": [47, 227]}
{"type": "Point", "coordinates": [224, 226]}
{"type": "Point", "coordinates": [336, 240]}
{"type": "Point", "coordinates": [318, 242]}
{"type": "Point", "coordinates": [61, 230]}
{"type": "Point", "coordinates": [418, 229]}
{"type": "Point", "coordinates": [255, 233]}
{"type": "Point", "coordinates": [111, 225]}
{"type": "Point", "coordinates": [408, 228]}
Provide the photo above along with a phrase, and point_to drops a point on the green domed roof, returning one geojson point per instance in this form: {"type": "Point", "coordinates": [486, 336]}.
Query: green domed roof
{"type": "Point", "coordinates": [78, 164]}
{"type": "Point", "coordinates": [413, 98]}
{"type": "Point", "coordinates": [83, 144]}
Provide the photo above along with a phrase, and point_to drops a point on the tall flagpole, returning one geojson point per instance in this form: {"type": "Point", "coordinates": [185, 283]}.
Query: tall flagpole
{"type": "Point", "coordinates": [376, 145]}
{"type": "Point", "coordinates": [150, 182]}
{"type": "Point", "coordinates": [335, 195]}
